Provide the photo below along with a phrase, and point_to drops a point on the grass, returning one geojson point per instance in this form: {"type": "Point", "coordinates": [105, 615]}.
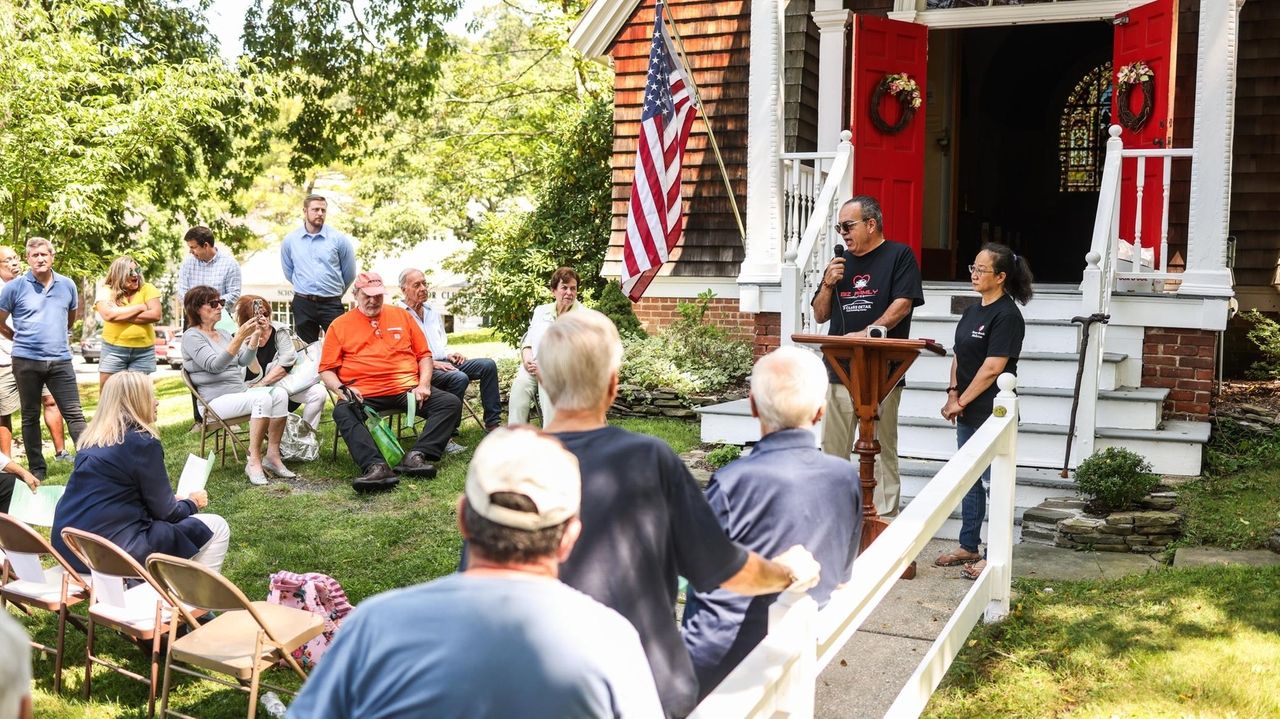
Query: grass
{"type": "Point", "coordinates": [471, 337]}
{"type": "Point", "coordinates": [1236, 503]}
{"type": "Point", "coordinates": [1199, 643]}
{"type": "Point", "coordinates": [370, 543]}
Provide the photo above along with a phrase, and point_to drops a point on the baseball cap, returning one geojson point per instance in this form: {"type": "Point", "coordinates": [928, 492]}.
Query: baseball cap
{"type": "Point", "coordinates": [524, 461]}
{"type": "Point", "coordinates": [370, 283]}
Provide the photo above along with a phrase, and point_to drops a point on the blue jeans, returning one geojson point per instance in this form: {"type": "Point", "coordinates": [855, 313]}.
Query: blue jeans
{"type": "Point", "coordinates": [974, 505]}
{"type": "Point", "coordinates": [121, 359]}
{"type": "Point", "coordinates": [481, 369]}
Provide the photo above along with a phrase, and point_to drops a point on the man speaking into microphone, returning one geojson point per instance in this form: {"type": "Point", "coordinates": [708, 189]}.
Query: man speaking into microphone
{"type": "Point", "coordinates": [874, 282]}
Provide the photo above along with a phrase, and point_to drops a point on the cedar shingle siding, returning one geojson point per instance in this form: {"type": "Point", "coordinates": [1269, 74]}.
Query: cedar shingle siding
{"type": "Point", "coordinates": [1255, 165]}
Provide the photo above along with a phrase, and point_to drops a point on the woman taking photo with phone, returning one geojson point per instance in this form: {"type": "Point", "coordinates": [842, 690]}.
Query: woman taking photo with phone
{"type": "Point", "coordinates": [276, 356]}
{"type": "Point", "coordinates": [129, 312]}
{"type": "Point", "coordinates": [215, 362]}
{"type": "Point", "coordinates": [988, 343]}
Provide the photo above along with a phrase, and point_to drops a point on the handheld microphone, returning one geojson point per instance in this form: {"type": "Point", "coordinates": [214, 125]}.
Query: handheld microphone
{"type": "Point", "coordinates": [836, 311]}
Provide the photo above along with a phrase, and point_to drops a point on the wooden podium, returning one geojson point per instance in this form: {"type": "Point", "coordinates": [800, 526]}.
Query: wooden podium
{"type": "Point", "coordinates": [877, 365]}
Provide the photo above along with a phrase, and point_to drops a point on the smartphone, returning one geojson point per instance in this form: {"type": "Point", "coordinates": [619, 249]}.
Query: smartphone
{"type": "Point", "coordinates": [259, 308]}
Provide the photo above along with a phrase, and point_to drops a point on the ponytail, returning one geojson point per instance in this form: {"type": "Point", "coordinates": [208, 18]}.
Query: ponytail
{"type": "Point", "coordinates": [1017, 273]}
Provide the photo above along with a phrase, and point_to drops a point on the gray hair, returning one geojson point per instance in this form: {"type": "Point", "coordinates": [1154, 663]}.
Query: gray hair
{"type": "Point", "coordinates": [404, 275]}
{"type": "Point", "coordinates": [870, 207]}
{"type": "Point", "coordinates": [577, 357]}
{"type": "Point", "coordinates": [15, 670]}
{"type": "Point", "coordinates": [788, 386]}
{"type": "Point", "coordinates": [35, 242]}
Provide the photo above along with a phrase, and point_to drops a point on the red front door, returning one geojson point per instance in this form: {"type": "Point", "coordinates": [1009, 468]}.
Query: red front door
{"type": "Point", "coordinates": [1146, 34]}
{"type": "Point", "coordinates": [889, 165]}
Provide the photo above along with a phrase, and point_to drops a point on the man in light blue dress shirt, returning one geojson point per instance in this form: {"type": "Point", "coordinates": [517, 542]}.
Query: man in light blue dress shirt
{"type": "Point", "coordinates": [453, 372]}
{"type": "Point", "coordinates": [320, 262]}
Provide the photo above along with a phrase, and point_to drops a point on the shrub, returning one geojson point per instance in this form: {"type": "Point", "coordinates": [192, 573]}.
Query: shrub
{"type": "Point", "coordinates": [1115, 478]}
{"type": "Point", "coordinates": [689, 357]}
{"type": "Point", "coordinates": [1265, 333]}
{"type": "Point", "coordinates": [615, 305]}
{"type": "Point", "coordinates": [724, 454]}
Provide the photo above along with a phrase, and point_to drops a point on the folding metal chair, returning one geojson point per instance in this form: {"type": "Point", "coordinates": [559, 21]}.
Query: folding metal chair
{"type": "Point", "coordinates": [142, 613]}
{"type": "Point", "coordinates": [244, 639]}
{"type": "Point", "coordinates": [235, 429]}
{"type": "Point", "coordinates": [397, 418]}
{"type": "Point", "coordinates": [28, 585]}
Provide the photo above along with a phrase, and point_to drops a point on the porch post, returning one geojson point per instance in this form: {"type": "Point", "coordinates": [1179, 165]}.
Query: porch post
{"type": "Point", "coordinates": [1208, 224]}
{"type": "Point", "coordinates": [762, 262]}
{"type": "Point", "coordinates": [831, 19]}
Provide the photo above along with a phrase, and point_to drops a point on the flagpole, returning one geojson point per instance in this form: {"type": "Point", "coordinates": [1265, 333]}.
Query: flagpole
{"type": "Point", "coordinates": [702, 112]}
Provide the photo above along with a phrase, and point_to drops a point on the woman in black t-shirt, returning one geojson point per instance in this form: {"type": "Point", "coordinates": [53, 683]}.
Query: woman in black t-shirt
{"type": "Point", "coordinates": [988, 343]}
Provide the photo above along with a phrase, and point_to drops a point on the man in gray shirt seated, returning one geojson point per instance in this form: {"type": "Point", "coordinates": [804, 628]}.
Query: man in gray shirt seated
{"type": "Point", "coordinates": [785, 492]}
{"type": "Point", "coordinates": [504, 638]}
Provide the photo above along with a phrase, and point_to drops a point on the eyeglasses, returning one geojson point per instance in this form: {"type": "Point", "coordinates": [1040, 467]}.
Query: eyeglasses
{"type": "Point", "coordinates": [976, 270]}
{"type": "Point", "coordinates": [216, 303]}
{"type": "Point", "coordinates": [133, 273]}
{"type": "Point", "coordinates": [376, 331]}
{"type": "Point", "coordinates": [847, 226]}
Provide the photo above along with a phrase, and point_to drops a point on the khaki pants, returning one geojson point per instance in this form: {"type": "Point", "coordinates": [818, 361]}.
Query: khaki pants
{"type": "Point", "coordinates": [524, 390]}
{"type": "Point", "coordinates": [837, 440]}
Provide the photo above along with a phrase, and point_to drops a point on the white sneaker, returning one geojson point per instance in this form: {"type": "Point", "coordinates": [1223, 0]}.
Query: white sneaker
{"type": "Point", "coordinates": [454, 448]}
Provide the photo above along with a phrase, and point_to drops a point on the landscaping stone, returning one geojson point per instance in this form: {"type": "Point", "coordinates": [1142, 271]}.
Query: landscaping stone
{"type": "Point", "coordinates": [1155, 519]}
{"type": "Point", "coordinates": [1205, 556]}
{"type": "Point", "coordinates": [1274, 543]}
{"type": "Point", "coordinates": [1117, 519]}
{"type": "Point", "coordinates": [1142, 531]}
{"type": "Point", "coordinates": [1068, 503]}
{"type": "Point", "coordinates": [1075, 525]}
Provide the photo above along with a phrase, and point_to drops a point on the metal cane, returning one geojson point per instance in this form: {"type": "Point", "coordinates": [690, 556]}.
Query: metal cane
{"type": "Point", "coordinates": [1085, 323]}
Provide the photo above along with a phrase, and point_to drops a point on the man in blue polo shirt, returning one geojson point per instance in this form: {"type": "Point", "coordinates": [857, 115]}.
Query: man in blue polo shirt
{"type": "Point", "coordinates": [320, 262]}
{"type": "Point", "coordinates": [43, 306]}
{"type": "Point", "coordinates": [785, 492]}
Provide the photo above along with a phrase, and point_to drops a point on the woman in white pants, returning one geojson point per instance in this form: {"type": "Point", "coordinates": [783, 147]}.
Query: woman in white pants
{"type": "Point", "coordinates": [120, 490]}
{"type": "Point", "coordinates": [526, 386]}
{"type": "Point", "coordinates": [276, 355]}
{"type": "Point", "coordinates": [215, 361]}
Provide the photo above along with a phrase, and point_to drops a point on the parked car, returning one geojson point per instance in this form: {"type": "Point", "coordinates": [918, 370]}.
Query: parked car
{"type": "Point", "coordinates": [164, 335]}
{"type": "Point", "coordinates": [91, 346]}
{"type": "Point", "coordinates": [173, 351]}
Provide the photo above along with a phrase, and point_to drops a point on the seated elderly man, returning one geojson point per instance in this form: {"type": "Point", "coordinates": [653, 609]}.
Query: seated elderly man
{"type": "Point", "coordinates": [377, 356]}
{"type": "Point", "coordinates": [453, 372]}
{"type": "Point", "coordinates": [644, 519]}
{"type": "Point", "coordinates": [504, 638]}
{"type": "Point", "coordinates": [785, 492]}
{"type": "Point", "coordinates": [528, 382]}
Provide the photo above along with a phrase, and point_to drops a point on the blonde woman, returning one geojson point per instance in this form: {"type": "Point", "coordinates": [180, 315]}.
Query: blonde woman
{"type": "Point", "coordinates": [129, 312]}
{"type": "Point", "coordinates": [119, 488]}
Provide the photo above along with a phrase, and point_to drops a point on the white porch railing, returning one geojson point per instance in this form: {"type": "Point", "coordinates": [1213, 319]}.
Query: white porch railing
{"type": "Point", "coordinates": [809, 234]}
{"type": "Point", "coordinates": [778, 677]}
{"type": "Point", "coordinates": [1107, 270]}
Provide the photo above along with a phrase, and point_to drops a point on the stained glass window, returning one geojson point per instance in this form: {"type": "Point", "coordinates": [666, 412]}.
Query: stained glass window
{"type": "Point", "coordinates": [1082, 131]}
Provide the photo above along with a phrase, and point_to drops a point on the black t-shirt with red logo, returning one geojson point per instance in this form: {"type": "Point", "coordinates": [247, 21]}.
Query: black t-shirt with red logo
{"type": "Point", "coordinates": [992, 331]}
{"type": "Point", "coordinates": [871, 283]}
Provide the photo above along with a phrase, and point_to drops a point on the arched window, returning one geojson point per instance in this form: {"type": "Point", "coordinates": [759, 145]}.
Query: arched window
{"type": "Point", "coordinates": [1082, 131]}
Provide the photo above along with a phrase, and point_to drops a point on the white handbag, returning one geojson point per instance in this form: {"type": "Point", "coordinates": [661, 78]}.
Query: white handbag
{"type": "Point", "coordinates": [304, 372]}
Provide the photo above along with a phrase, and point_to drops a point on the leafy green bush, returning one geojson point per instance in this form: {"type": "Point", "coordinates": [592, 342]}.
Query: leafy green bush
{"type": "Point", "coordinates": [615, 305]}
{"type": "Point", "coordinates": [689, 357]}
{"type": "Point", "coordinates": [1265, 333]}
{"type": "Point", "coordinates": [724, 454]}
{"type": "Point", "coordinates": [1115, 478]}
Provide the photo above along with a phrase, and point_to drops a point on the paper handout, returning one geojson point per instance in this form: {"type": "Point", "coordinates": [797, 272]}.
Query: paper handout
{"type": "Point", "coordinates": [35, 508]}
{"type": "Point", "coordinates": [194, 475]}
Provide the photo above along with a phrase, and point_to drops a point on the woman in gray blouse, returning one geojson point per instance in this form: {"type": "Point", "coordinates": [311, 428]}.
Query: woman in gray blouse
{"type": "Point", "coordinates": [215, 361]}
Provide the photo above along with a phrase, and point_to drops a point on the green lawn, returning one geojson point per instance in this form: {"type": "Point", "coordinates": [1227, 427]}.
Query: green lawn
{"type": "Point", "coordinates": [370, 543]}
{"type": "Point", "coordinates": [1176, 643]}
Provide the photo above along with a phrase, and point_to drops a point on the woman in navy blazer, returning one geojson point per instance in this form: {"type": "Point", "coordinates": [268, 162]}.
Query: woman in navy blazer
{"type": "Point", "coordinates": [119, 488]}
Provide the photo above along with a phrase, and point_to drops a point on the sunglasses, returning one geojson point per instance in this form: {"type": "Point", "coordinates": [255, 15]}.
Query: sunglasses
{"type": "Point", "coordinates": [216, 303]}
{"type": "Point", "coordinates": [847, 226]}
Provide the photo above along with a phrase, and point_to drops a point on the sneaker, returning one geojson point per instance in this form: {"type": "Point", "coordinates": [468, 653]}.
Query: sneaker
{"type": "Point", "coordinates": [454, 448]}
{"type": "Point", "coordinates": [63, 456]}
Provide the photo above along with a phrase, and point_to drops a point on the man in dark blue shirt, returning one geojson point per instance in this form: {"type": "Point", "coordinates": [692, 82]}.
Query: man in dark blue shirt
{"type": "Point", "coordinates": [785, 492]}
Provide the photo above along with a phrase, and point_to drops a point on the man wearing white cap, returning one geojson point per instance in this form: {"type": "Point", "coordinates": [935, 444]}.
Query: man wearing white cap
{"type": "Point", "coordinates": [504, 638]}
{"type": "Point", "coordinates": [378, 356]}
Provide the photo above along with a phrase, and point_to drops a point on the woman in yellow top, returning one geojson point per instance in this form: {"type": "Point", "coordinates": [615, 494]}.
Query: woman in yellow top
{"type": "Point", "coordinates": [129, 313]}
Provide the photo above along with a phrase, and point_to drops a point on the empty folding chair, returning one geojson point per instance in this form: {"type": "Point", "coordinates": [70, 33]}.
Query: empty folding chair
{"type": "Point", "coordinates": [141, 613]}
{"type": "Point", "coordinates": [28, 585]}
{"type": "Point", "coordinates": [244, 639]}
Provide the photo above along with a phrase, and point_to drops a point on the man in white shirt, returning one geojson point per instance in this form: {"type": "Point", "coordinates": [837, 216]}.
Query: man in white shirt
{"type": "Point", "coordinates": [453, 372]}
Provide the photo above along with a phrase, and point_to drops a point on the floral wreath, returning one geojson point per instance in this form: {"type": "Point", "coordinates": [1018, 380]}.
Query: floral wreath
{"type": "Point", "coordinates": [1135, 75]}
{"type": "Point", "coordinates": [906, 91]}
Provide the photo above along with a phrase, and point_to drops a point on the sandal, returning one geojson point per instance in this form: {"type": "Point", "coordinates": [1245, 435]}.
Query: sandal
{"type": "Point", "coordinates": [973, 570]}
{"type": "Point", "coordinates": [956, 558]}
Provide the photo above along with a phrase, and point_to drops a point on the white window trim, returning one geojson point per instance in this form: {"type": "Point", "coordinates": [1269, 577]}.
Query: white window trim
{"type": "Point", "coordinates": [1038, 13]}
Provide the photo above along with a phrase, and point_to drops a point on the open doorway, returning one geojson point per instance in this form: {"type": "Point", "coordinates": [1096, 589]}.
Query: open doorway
{"type": "Point", "coordinates": [1014, 144]}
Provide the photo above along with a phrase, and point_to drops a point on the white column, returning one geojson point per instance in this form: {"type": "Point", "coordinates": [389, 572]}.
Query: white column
{"type": "Point", "coordinates": [1207, 272]}
{"type": "Point", "coordinates": [763, 261]}
{"type": "Point", "coordinates": [831, 22]}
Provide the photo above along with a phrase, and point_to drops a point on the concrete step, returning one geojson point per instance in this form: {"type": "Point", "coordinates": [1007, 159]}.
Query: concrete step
{"type": "Point", "coordinates": [1042, 335]}
{"type": "Point", "coordinates": [1049, 302]}
{"type": "Point", "coordinates": [1122, 408]}
{"type": "Point", "coordinates": [1035, 485]}
{"type": "Point", "coordinates": [1056, 370]}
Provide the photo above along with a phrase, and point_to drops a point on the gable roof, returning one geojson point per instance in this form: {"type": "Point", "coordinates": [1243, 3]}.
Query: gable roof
{"type": "Point", "coordinates": [599, 25]}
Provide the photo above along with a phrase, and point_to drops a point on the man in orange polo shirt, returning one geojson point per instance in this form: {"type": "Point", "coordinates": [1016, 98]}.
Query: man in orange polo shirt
{"type": "Point", "coordinates": [378, 355]}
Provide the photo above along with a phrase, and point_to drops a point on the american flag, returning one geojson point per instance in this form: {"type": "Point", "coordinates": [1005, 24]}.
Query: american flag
{"type": "Point", "coordinates": [655, 214]}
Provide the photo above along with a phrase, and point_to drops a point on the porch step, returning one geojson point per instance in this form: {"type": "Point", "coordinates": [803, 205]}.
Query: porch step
{"type": "Point", "coordinates": [1034, 486]}
{"type": "Point", "coordinates": [1122, 408]}
{"type": "Point", "coordinates": [1053, 370]}
{"type": "Point", "coordinates": [1051, 301]}
{"type": "Point", "coordinates": [1042, 335]}
{"type": "Point", "coordinates": [1172, 448]}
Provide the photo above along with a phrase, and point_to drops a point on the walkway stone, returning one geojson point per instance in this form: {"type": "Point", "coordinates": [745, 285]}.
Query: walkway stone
{"type": "Point", "coordinates": [1034, 561]}
{"type": "Point", "coordinates": [1207, 556]}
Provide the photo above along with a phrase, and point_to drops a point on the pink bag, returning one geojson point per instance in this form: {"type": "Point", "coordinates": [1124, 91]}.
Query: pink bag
{"type": "Point", "coordinates": [316, 593]}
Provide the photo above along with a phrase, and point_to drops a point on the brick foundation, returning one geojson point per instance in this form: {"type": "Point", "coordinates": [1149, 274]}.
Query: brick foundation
{"type": "Point", "coordinates": [657, 313]}
{"type": "Point", "coordinates": [768, 333]}
{"type": "Point", "coordinates": [1181, 360]}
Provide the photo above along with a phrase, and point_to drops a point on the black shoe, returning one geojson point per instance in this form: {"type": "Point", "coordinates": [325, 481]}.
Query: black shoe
{"type": "Point", "coordinates": [415, 464]}
{"type": "Point", "coordinates": [379, 477]}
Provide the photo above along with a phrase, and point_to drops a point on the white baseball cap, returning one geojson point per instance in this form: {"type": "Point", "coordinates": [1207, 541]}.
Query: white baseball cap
{"type": "Point", "coordinates": [524, 461]}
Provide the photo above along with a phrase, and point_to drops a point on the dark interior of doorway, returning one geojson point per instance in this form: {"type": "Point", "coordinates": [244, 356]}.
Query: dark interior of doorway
{"type": "Point", "coordinates": [1014, 83]}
